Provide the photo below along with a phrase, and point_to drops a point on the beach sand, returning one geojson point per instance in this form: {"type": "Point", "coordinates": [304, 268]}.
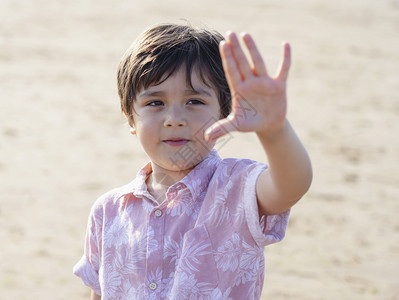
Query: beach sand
{"type": "Point", "coordinates": [64, 142]}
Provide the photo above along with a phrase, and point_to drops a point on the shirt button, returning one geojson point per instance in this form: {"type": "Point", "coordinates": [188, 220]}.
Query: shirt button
{"type": "Point", "coordinates": [153, 286]}
{"type": "Point", "coordinates": [158, 213]}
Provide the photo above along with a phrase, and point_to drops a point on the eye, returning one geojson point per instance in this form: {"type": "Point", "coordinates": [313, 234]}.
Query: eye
{"type": "Point", "coordinates": [154, 103]}
{"type": "Point", "coordinates": [195, 101]}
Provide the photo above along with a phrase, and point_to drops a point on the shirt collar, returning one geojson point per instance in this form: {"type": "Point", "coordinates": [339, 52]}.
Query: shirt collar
{"type": "Point", "coordinates": [196, 181]}
{"type": "Point", "coordinates": [140, 186]}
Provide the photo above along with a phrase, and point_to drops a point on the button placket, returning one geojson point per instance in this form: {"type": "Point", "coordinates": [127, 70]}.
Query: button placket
{"type": "Point", "coordinates": [155, 251]}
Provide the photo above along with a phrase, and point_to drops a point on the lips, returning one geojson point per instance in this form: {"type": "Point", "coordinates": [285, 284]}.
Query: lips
{"type": "Point", "coordinates": [175, 141]}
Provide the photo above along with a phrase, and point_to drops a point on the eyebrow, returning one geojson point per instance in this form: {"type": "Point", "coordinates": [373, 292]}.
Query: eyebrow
{"type": "Point", "coordinates": [147, 93]}
{"type": "Point", "coordinates": [193, 91]}
{"type": "Point", "coordinates": [198, 91]}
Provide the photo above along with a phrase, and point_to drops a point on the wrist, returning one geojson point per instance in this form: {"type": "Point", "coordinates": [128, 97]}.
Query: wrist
{"type": "Point", "coordinates": [271, 133]}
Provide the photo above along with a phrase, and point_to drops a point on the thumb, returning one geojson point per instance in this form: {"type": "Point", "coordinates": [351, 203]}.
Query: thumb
{"type": "Point", "coordinates": [219, 129]}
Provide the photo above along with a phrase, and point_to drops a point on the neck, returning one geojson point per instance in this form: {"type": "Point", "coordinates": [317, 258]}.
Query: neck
{"type": "Point", "coordinates": [160, 180]}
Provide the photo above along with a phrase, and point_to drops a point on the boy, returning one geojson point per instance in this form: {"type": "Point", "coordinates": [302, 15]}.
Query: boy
{"type": "Point", "coordinates": [191, 225]}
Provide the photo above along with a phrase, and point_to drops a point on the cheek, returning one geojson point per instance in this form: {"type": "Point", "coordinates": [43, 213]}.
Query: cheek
{"type": "Point", "coordinates": [206, 119]}
{"type": "Point", "coordinates": [145, 129]}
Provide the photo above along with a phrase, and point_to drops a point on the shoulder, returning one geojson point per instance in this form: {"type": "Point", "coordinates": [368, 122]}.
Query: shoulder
{"type": "Point", "coordinates": [237, 167]}
{"type": "Point", "coordinates": [232, 175]}
{"type": "Point", "coordinates": [112, 198]}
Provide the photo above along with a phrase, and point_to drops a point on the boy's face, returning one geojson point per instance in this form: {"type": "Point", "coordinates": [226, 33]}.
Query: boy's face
{"type": "Point", "coordinates": [170, 119]}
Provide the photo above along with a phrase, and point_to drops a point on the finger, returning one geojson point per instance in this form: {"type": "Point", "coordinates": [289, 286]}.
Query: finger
{"type": "Point", "coordinates": [233, 75]}
{"type": "Point", "coordinates": [239, 55]}
{"type": "Point", "coordinates": [258, 64]}
{"type": "Point", "coordinates": [285, 62]}
{"type": "Point", "coordinates": [219, 129]}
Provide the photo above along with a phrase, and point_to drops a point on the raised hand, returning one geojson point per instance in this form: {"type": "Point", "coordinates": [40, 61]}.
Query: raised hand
{"type": "Point", "coordinates": [259, 101]}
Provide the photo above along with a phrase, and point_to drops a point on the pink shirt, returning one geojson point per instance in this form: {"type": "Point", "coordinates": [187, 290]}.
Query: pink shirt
{"type": "Point", "coordinates": [205, 241]}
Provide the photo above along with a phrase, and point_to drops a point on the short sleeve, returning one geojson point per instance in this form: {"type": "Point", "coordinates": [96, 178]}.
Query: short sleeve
{"type": "Point", "coordinates": [269, 229]}
{"type": "Point", "coordinates": [88, 266]}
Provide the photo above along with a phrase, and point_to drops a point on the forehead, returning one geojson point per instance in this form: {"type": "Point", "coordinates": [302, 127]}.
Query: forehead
{"type": "Point", "coordinates": [195, 81]}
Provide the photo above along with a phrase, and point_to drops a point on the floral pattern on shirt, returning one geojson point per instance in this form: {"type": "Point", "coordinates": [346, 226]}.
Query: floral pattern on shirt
{"type": "Point", "coordinates": [205, 241]}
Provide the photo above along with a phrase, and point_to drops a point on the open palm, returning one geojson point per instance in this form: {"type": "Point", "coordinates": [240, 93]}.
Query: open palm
{"type": "Point", "coordinates": [259, 102]}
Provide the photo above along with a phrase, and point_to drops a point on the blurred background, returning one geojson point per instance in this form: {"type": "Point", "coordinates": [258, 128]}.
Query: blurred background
{"type": "Point", "coordinates": [64, 141]}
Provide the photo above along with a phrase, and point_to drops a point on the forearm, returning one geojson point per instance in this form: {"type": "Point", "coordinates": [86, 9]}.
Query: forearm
{"type": "Point", "coordinates": [94, 296]}
{"type": "Point", "coordinates": [289, 174]}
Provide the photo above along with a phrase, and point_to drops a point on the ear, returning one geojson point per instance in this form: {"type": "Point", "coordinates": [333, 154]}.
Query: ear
{"type": "Point", "coordinates": [132, 129]}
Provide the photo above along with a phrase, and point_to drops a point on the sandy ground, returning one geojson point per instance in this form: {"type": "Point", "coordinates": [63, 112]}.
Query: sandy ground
{"type": "Point", "coordinates": [63, 141]}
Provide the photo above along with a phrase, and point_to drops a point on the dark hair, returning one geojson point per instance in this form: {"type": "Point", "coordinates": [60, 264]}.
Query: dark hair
{"type": "Point", "coordinates": [162, 50]}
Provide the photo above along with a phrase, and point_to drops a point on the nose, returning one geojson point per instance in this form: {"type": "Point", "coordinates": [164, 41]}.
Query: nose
{"type": "Point", "coordinates": [175, 117]}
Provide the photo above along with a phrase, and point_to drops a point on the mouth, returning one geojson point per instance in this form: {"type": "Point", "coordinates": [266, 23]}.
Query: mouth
{"type": "Point", "coordinates": [175, 141]}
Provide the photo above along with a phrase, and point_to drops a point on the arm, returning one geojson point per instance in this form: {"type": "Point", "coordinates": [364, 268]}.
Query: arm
{"type": "Point", "coordinates": [289, 174]}
{"type": "Point", "coordinates": [94, 296]}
